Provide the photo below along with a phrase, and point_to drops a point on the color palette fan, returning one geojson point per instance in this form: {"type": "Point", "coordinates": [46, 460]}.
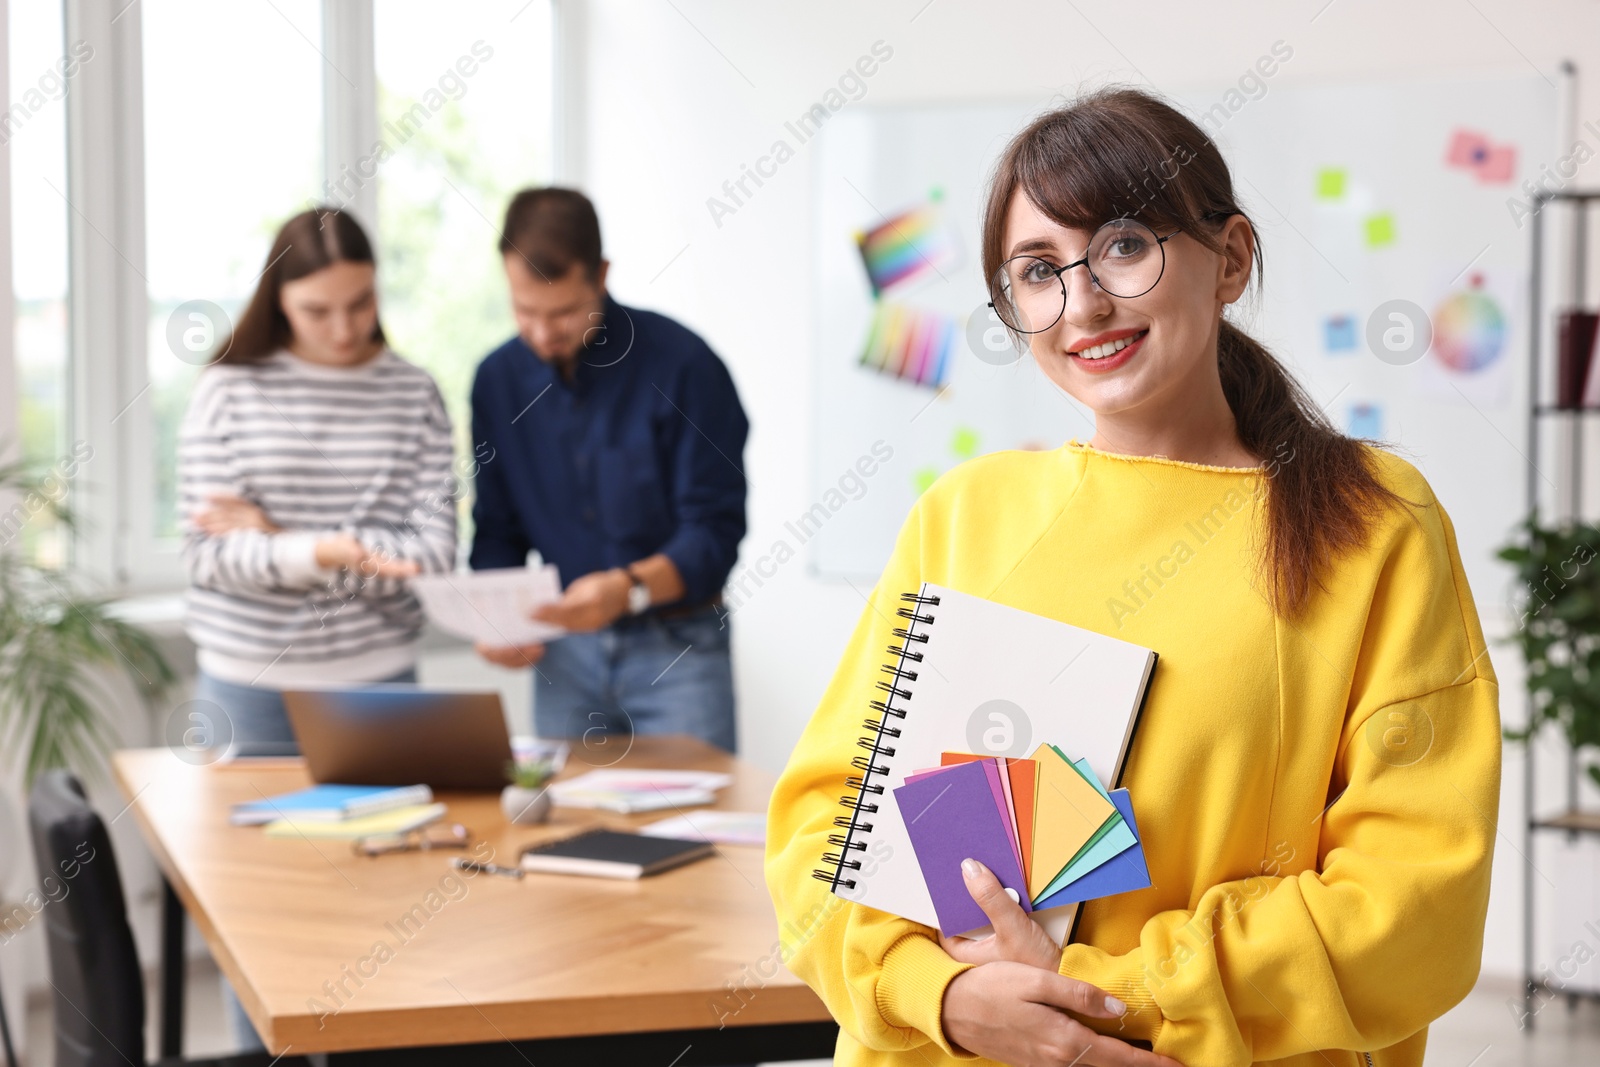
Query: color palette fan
{"type": "Point", "coordinates": [1045, 825]}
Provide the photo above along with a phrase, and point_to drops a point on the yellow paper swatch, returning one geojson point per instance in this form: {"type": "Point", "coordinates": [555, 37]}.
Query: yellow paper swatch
{"type": "Point", "coordinates": [1068, 812]}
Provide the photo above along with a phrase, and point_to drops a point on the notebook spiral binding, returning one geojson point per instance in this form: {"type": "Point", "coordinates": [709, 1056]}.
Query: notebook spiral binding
{"type": "Point", "coordinates": [878, 743]}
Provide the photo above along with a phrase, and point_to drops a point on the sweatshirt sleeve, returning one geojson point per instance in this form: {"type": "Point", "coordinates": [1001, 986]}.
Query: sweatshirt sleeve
{"type": "Point", "coordinates": [1383, 932]}
{"type": "Point", "coordinates": [882, 977]}
{"type": "Point", "coordinates": [426, 534]}
{"type": "Point", "coordinates": [241, 561]}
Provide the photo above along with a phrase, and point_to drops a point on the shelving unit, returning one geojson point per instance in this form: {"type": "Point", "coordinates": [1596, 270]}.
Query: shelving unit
{"type": "Point", "coordinates": [1571, 423]}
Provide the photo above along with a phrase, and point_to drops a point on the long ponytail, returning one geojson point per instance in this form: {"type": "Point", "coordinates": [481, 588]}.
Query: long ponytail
{"type": "Point", "coordinates": [1322, 494]}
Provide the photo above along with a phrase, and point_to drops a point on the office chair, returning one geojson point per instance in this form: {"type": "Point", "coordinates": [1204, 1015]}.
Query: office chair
{"type": "Point", "coordinates": [94, 966]}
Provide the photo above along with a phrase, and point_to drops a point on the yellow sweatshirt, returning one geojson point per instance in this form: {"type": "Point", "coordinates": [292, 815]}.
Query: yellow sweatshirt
{"type": "Point", "coordinates": [1317, 798]}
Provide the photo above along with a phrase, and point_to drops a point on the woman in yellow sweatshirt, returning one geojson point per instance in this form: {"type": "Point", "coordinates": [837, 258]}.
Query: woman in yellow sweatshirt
{"type": "Point", "coordinates": [1317, 767]}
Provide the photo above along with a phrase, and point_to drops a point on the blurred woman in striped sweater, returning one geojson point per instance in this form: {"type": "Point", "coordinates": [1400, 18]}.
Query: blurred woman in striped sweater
{"type": "Point", "coordinates": [315, 476]}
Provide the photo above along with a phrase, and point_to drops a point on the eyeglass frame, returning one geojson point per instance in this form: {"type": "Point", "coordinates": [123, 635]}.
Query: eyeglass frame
{"type": "Point", "coordinates": [460, 837]}
{"type": "Point", "coordinates": [1161, 243]}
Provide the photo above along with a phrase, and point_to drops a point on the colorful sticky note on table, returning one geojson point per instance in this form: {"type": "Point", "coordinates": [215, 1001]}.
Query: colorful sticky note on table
{"type": "Point", "coordinates": [951, 814]}
{"type": "Point", "coordinates": [913, 244]}
{"type": "Point", "coordinates": [1067, 813]}
{"type": "Point", "coordinates": [1330, 183]}
{"type": "Point", "coordinates": [1123, 873]}
{"type": "Point", "coordinates": [1379, 230]}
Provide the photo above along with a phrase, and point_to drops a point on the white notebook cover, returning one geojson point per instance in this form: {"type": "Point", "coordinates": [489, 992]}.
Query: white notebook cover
{"type": "Point", "coordinates": [1000, 681]}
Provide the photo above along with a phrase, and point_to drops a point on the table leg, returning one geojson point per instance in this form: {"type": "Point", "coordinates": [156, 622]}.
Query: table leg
{"type": "Point", "coordinates": [173, 920]}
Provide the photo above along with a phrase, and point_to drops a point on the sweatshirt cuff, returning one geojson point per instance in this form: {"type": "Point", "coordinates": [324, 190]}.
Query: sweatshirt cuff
{"type": "Point", "coordinates": [294, 555]}
{"type": "Point", "coordinates": [911, 987]}
{"type": "Point", "coordinates": [1121, 977]}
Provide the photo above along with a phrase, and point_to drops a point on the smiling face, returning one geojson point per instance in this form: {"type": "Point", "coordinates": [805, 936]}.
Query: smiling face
{"type": "Point", "coordinates": [333, 314]}
{"type": "Point", "coordinates": [1138, 357]}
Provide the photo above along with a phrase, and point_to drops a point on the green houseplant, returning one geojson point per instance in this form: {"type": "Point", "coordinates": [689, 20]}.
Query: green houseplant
{"type": "Point", "coordinates": [1558, 630]}
{"type": "Point", "coordinates": [526, 800]}
{"type": "Point", "coordinates": [55, 644]}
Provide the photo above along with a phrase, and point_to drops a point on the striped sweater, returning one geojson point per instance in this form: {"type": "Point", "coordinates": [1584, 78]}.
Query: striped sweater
{"type": "Point", "coordinates": [362, 450]}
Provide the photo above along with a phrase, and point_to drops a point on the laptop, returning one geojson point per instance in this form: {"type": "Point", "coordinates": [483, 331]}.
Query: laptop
{"type": "Point", "coordinates": [396, 734]}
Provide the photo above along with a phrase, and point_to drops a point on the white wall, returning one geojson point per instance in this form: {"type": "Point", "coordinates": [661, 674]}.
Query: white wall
{"type": "Point", "coordinates": [675, 98]}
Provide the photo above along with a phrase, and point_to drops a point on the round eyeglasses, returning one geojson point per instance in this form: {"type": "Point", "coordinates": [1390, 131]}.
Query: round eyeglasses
{"type": "Point", "coordinates": [422, 839]}
{"type": "Point", "coordinates": [1125, 259]}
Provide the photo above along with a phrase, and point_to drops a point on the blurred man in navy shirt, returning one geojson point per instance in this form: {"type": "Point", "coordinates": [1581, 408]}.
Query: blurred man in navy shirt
{"type": "Point", "coordinates": [611, 440]}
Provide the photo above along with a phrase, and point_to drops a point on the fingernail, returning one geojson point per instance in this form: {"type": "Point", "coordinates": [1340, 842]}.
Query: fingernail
{"type": "Point", "coordinates": [1115, 1006]}
{"type": "Point", "coordinates": [969, 868]}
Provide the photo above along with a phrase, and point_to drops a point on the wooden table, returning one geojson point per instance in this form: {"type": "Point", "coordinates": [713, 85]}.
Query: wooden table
{"type": "Point", "coordinates": [339, 953]}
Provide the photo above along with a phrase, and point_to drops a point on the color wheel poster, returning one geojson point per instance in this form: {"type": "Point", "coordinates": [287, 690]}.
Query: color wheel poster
{"type": "Point", "coordinates": [1475, 315]}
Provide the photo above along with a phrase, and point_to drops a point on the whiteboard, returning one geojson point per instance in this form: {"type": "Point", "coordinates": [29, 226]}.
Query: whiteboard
{"type": "Point", "coordinates": [1329, 267]}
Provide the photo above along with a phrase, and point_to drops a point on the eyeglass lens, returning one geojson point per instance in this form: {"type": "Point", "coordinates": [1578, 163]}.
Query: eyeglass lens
{"type": "Point", "coordinates": [1125, 258]}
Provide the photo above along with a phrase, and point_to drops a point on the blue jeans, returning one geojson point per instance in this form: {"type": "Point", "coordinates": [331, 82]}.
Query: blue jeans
{"type": "Point", "coordinates": [645, 675]}
{"type": "Point", "coordinates": [254, 714]}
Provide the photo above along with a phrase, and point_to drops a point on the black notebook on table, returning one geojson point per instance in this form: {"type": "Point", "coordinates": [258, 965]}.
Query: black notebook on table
{"type": "Point", "coordinates": [613, 854]}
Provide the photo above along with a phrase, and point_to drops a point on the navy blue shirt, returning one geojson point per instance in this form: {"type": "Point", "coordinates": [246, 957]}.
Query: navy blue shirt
{"type": "Point", "coordinates": [642, 452]}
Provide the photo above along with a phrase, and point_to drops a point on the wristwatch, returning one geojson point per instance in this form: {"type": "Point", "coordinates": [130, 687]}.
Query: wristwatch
{"type": "Point", "coordinates": [638, 593]}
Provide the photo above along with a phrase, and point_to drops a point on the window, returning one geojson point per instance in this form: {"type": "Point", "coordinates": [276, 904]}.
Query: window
{"type": "Point", "coordinates": [34, 130]}
{"type": "Point", "coordinates": [229, 131]}
{"type": "Point", "coordinates": [232, 148]}
{"type": "Point", "coordinates": [465, 111]}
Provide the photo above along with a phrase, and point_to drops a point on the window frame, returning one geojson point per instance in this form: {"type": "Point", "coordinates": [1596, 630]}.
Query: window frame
{"type": "Point", "coordinates": [115, 546]}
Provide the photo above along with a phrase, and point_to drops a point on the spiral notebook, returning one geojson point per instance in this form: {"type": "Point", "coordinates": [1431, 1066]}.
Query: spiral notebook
{"type": "Point", "coordinates": [973, 675]}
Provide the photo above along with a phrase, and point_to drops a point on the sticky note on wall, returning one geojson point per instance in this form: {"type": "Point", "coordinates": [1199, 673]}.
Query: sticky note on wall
{"type": "Point", "coordinates": [1380, 230]}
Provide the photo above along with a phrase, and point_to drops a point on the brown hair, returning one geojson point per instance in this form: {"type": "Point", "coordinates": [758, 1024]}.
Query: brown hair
{"type": "Point", "coordinates": [307, 243]}
{"type": "Point", "coordinates": [1120, 152]}
{"type": "Point", "coordinates": [551, 229]}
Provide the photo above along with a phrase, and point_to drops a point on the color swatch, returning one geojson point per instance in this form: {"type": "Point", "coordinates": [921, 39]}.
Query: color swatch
{"type": "Point", "coordinates": [1473, 152]}
{"type": "Point", "coordinates": [1045, 825]}
{"type": "Point", "coordinates": [1469, 329]}
{"type": "Point", "coordinates": [912, 245]}
{"type": "Point", "coordinates": [911, 343]}
{"type": "Point", "coordinates": [1339, 333]}
{"type": "Point", "coordinates": [1379, 230]}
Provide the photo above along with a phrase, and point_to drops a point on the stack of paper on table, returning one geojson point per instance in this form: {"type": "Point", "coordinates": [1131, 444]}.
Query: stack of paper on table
{"type": "Point", "coordinates": [1046, 826]}
{"type": "Point", "coordinates": [629, 790]}
{"type": "Point", "coordinates": [721, 827]}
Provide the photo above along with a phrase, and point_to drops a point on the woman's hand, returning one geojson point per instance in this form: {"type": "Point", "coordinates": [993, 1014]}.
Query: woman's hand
{"type": "Point", "coordinates": [344, 550]}
{"type": "Point", "coordinates": [225, 513]}
{"type": "Point", "coordinates": [1016, 937]}
{"type": "Point", "coordinates": [1017, 1014]}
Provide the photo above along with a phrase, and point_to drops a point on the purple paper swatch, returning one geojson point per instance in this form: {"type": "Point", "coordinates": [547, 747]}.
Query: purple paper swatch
{"type": "Point", "coordinates": [950, 816]}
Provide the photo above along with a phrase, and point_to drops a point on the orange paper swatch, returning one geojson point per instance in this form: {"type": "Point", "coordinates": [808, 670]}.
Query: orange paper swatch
{"type": "Point", "coordinates": [1024, 797]}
